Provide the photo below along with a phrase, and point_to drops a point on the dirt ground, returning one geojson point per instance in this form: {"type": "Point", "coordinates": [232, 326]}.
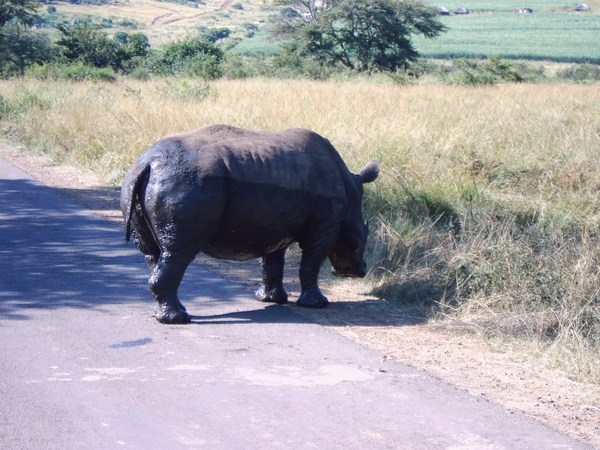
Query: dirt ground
{"type": "Point", "coordinates": [444, 349]}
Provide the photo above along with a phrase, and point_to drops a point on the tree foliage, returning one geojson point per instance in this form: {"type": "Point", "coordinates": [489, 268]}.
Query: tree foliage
{"type": "Point", "coordinates": [193, 55]}
{"type": "Point", "coordinates": [360, 34]}
{"type": "Point", "coordinates": [87, 44]}
{"type": "Point", "coordinates": [21, 47]}
{"type": "Point", "coordinates": [22, 11]}
{"type": "Point", "coordinates": [18, 46]}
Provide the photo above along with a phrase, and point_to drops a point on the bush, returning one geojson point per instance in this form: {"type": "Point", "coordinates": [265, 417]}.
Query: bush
{"type": "Point", "coordinates": [73, 72]}
{"type": "Point", "coordinates": [128, 23]}
{"type": "Point", "coordinates": [185, 90]}
{"type": "Point", "coordinates": [581, 73]}
{"type": "Point", "coordinates": [6, 108]}
{"type": "Point", "coordinates": [503, 70]}
{"type": "Point", "coordinates": [192, 56]}
{"type": "Point", "coordinates": [215, 34]}
{"type": "Point", "coordinates": [140, 73]}
{"type": "Point", "coordinates": [473, 73]}
{"type": "Point", "coordinates": [81, 72]}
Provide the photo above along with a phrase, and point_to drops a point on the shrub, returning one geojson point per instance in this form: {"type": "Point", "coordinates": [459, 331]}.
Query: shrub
{"type": "Point", "coordinates": [581, 73]}
{"type": "Point", "coordinates": [503, 70]}
{"type": "Point", "coordinates": [128, 23]}
{"type": "Point", "coordinates": [215, 34]}
{"type": "Point", "coordinates": [73, 72]}
{"type": "Point", "coordinates": [140, 73]}
{"type": "Point", "coordinates": [185, 90]}
{"type": "Point", "coordinates": [80, 72]}
{"type": "Point", "coordinates": [473, 73]}
{"type": "Point", "coordinates": [6, 108]}
{"type": "Point", "coordinates": [192, 56]}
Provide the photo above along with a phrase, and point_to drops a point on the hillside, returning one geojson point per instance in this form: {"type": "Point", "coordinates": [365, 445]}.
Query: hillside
{"type": "Point", "coordinates": [552, 32]}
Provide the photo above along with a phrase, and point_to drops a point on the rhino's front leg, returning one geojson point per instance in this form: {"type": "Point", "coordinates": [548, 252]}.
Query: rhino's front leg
{"type": "Point", "coordinates": [313, 254]}
{"type": "Point", "coordinates": [164, 283]}
{"type": "Point", "coordinates": [272, 273]}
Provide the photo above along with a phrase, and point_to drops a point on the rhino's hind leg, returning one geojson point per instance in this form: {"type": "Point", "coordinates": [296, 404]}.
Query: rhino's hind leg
{"type": "Point", "coordinates": [144, 239]}
{"type": "Point", "coordinates": [164, 282]}
{"type": "Point", "coordinates": [272, 272]}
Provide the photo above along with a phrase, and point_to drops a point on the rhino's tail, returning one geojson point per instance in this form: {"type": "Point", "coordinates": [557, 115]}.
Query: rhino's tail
{"type": "Point", "coordinates": [139, 181]}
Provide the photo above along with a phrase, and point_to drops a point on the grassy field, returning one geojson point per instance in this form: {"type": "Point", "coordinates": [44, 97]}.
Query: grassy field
{"type": "Point", "coordinates": [487, 209]}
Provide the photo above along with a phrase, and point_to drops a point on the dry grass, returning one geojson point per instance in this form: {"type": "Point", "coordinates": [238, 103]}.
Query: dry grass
{"type": "Point", "coordinates": [486, 210]}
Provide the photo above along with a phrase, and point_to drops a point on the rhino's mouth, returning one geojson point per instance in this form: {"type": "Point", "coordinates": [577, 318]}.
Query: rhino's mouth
{"type": "Point", "coordinates": [348, 272]}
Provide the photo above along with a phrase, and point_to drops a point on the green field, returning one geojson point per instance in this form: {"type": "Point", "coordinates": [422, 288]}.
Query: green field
{"type": "Point", "coordinates": [477, 6]}
{"type": "Point", "coordinates": [551, 36]}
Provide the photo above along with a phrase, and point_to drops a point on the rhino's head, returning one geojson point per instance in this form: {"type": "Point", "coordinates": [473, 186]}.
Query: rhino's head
{"type": "Point", "coordinates": [347, 256]}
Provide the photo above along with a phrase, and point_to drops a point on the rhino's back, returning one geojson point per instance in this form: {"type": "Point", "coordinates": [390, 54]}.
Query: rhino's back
{"type": "Point", "coordinates": [279, 186]}
{"type": "Point", "coordinates": [293, 159]}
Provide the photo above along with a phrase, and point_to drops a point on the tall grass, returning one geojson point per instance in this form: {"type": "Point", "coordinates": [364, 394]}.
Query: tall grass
{"type": "Point", "coordinates": [487, 208]}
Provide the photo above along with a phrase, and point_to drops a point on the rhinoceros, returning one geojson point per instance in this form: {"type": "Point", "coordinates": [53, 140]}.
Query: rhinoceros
{"type": "Point", "coordinates": [237, 194]}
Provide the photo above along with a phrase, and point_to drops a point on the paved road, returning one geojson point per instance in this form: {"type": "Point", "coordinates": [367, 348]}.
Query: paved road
{"type": "Point", "coordinates": [84, 364]}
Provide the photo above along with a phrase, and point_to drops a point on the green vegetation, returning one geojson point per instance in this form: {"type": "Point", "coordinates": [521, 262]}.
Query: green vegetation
{"type": "Point", "coordinates": [360, 35]}
{"type": "Point", "coordinates": [243, 37]}
{"type": "Point", "coordinates": [483, 6]}
{"type": "Point", "coordinates": [192, 56]}
{"type": "Point", "coordinates": [552, 36]}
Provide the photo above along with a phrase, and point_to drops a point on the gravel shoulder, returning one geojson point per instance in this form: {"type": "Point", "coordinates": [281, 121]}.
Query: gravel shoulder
{"type": "Point", "coordinates": [447, 350]}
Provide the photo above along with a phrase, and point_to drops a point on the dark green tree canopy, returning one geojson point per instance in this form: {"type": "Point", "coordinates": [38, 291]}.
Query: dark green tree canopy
{"type": "Point", "coordinates": [360, 34]}
{"type": "Point", "coordinates": [24, 11]}
{"type": "Point", "coordinates": [86, 43]}
{"type": "Point", "coordinates": [193, 55]}
{"type": "Point", "coordinates": [93, 47]}
{"type": "Point", "coordinates": [19, 47]}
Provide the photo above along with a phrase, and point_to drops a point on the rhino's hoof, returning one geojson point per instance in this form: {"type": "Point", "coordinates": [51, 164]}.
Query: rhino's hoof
{"type": "Point", "coordinates": [275, 295]}
{"type": "Point", "coordinates": [172, 316]}
{"type": "Point", "coordinates": [312, 300]}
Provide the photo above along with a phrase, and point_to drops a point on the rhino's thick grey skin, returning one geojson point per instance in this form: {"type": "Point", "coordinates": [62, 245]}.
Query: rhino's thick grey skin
{"type": "Point", "coordinates": [237, 194]}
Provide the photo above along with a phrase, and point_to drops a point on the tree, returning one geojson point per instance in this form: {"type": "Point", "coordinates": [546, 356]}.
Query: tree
{"type": "Point", "coordinates": [23, 11]}
{"type": "Point", "coordinates": [362, 35]}
{"type": "Point", "coordinates": [129, 50]}
{"type": "Point", "coordinates": [194, 55]}
{"type": "Point", "coordinates": [86, 43]}
{"type": "Point", "coordinates": [21, 48]}
{"type": "Point", "coordinates": [93, 47]}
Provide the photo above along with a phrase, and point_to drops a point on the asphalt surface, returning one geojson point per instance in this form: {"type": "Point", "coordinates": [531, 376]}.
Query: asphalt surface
{"type": "Point", "coordinates": [83, 363]}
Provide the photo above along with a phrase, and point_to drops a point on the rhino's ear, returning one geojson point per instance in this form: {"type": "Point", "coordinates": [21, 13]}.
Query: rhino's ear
{"type": "Point", "coordinates": [370, 172]}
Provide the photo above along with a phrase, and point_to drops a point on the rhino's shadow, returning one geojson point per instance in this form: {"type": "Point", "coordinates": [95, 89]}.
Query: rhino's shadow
{"type": "Point", "coordinates": [354, 313]}
{"type": "Point", "coordinates": [270, 314]}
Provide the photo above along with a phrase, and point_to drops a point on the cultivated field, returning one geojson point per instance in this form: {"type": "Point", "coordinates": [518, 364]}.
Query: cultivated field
{"type": "Point", "coordinates": [487, 209]}
{"type": "Point", "coordinates": [552, 36]}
